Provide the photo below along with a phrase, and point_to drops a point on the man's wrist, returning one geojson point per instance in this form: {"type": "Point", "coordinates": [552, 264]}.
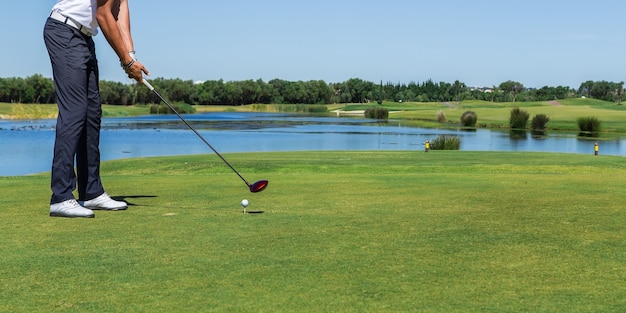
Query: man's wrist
{"type": "Point", "coordinates": [129, 64]}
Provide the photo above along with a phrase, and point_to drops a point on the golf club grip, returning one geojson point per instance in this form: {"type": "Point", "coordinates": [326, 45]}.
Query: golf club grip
{"type": "Point", "coordinates": [145, 82]}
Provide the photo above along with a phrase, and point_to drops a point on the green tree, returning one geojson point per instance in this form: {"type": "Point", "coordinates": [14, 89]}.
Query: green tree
{"type": "Point", "coordinates": [457, 90]}
{"type": "Point", "coordinates": [602, 90]}
{"type": "Point", "coordinates": [264, 92]}
{"type": "Point", "coordinates": [380, 94]}
{"type": "Point", "coordinates": [356, 90]}
{"type": "Point", "coordinates": [512, 88]}
{"type": "Point", "coordinates": [277, 88]}
{"type": "Point", "coordinates": [17, 89]}
{"type": "Point", "coordinates": [5, 90]}
{"type": "Point", "coordinates": [618, 94]}
{"type": "Point", "coordinates": [211, 92]}
{"type": "Point", "coordinates": [233, 93]}
{"type": "Point", "coordinates": [585, 88]}
{"type": "Point", "coordinates": [112, 92]}
{"type": "Point", "coordinates": [318, 92]}
{"type": "Point", "coordinates": [38, 89]}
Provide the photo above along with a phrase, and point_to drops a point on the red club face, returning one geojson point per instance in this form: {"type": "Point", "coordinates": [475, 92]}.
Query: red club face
{"type": "Point", "coordinates": [259, 186]}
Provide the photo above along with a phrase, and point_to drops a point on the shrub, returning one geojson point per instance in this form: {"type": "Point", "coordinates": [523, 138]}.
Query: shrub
{"type": "Point", "coordinates": [518, 119]}
{"type": "Point", "coordinates": [589, 126]}
{"type": "Point", "coordinates": [317, 108]}
{"type": "Point", "coordinates": [182, 108]}
{"type": "Point", "coordinates": [158, 109]}
{"type": "Point", "coordinates": [441, 117]}
{"type": "Point", "coordinates": [445, 142]}
{"type": "Point", "coordinates": [377, 113]}
{"type": "Point", "coordinates": [260, 107]}
{"type": "Point", "coordinates": [539, 122]}
{"type": "Point", "coordinates": [302, 108]}
{"type": "Point", "coordinates": [469, 119]}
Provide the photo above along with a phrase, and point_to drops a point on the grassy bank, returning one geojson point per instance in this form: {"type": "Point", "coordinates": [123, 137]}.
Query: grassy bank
{"type": "Point", "coordinates": [563, 114]}
{"type": "Point", "coordinates": [46, 111]}
{"type": "Point", "coordinates": [383, 231]}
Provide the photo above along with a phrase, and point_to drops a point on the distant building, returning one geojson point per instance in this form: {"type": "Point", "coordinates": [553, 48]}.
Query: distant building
{"type": "Point", "coordinates": [482, 89]}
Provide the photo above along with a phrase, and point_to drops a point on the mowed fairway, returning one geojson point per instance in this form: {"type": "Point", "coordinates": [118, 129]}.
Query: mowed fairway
{"type": "Point", "coordinates": [380, 231]}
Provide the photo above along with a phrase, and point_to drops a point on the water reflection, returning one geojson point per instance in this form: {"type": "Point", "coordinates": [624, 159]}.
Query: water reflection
{"type": "Point", "coordinates": [26, 146]}
{"type": "Point", "coordinates": [538, 134]}
{"type": "Point", "coordinates": [517, 134]}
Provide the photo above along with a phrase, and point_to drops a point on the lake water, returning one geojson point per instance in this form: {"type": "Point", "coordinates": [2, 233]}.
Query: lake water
{"type": "Point", "coordinates": [26, 146]}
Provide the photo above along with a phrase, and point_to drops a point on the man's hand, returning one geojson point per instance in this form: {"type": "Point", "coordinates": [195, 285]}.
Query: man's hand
{"type": "Point", "coordinates": [136, 71]}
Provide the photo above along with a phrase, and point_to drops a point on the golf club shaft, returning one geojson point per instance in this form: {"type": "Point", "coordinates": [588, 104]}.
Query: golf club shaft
{"type": "Point", "coordinates": [145, 82]}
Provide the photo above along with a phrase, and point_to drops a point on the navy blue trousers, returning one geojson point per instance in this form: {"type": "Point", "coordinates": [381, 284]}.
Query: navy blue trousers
{"type": "Point", "coordinates": [75, 73]}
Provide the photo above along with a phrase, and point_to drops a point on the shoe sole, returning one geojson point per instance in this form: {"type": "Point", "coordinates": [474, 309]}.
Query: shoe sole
{"type": "Point", "coordinates": [61, 215]}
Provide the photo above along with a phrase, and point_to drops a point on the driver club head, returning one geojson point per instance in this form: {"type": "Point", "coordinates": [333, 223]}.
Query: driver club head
{"type": "Point", "coordinates": [258, 186]}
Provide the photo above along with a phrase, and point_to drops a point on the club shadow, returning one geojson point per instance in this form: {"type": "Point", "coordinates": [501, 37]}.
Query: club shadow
{"type": "Point", "coordinates": [124, 198]}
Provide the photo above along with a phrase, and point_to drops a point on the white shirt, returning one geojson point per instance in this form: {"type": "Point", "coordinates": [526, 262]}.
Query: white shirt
{"type": "Point", "coordinates": [82, 11]}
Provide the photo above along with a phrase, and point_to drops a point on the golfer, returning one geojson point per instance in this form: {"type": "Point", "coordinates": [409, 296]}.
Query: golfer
{"type": "Point", "coordinates": [68, 36]}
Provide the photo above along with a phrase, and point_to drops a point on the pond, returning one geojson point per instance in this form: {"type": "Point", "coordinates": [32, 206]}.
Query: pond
{"type": "Point", "coordinates": [26, 146]}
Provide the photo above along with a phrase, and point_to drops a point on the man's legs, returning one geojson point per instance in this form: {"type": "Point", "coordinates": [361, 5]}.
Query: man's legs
{"type": "Point", "coordinates": [90, 190]}
{"type": "Point", "coordinates": [75, 71]}
{"type": "Point", "coordinates": [70, 56]}
{"type": "Point", "coordinates": [88, 153]}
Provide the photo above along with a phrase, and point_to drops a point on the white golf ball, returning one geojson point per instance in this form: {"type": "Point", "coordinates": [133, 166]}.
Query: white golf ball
{"type": "Point", "coordinates": [244, 203]}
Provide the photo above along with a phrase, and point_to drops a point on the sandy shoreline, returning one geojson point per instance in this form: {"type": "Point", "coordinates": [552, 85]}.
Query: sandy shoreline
{"type": "Point", "coordinates": [342, 112]}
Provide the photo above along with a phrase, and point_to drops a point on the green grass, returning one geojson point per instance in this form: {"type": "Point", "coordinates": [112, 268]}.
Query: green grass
{"type": "Point", "coordinates": [27, 111]}
{"type": "Point", "coordinates": [5, 108]}
{"type": "Point", "coordinates": [496, 115]}
{"type": "Point", "coordinates": [384, 231]}
{"type": "Point", "coordinates": [121, 111]}
{"type": "Point", "coordinates": [41, 111]}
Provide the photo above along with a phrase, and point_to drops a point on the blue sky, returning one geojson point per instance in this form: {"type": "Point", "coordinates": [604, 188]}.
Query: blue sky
{"type": "Point", "coordinates": [480, 42]}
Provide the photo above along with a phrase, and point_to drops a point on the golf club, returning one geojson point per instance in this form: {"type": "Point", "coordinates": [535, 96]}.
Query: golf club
{"type": "Point", "coordinates": [256, 187]}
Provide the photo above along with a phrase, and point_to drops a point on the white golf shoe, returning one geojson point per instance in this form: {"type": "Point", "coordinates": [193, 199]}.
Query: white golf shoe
{"type": "Point", "coordinates": [69, 208]}
{"type": "Point", "coordinates": [104, 202]}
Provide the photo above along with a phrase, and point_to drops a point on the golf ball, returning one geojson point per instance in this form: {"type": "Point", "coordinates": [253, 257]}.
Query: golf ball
{"type": "Point", "coordinates": [244, 202]}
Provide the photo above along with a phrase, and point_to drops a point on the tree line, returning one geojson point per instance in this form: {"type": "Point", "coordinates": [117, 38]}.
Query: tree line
{"type": "Point", "coordinates": [38, 89]}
